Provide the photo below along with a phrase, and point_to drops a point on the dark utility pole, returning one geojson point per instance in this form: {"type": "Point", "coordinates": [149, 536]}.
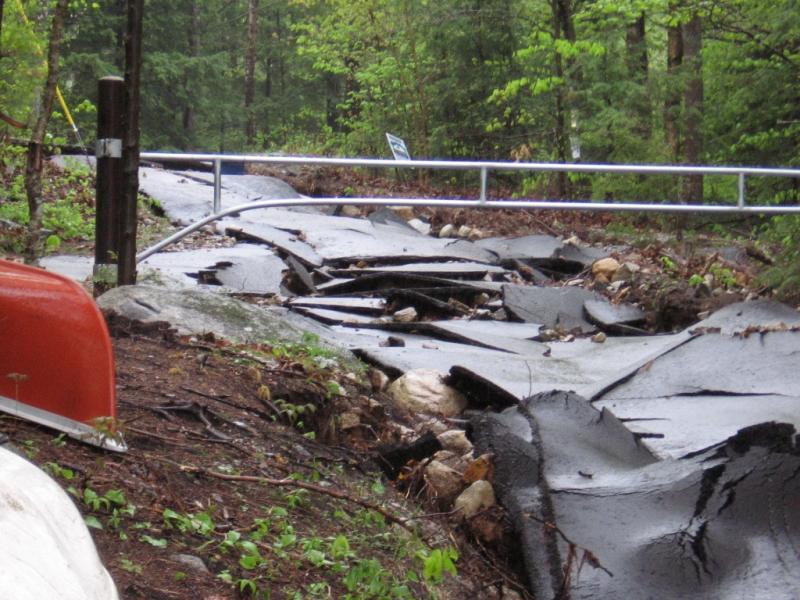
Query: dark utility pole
{"type": "Point", "coordinates": [108, 185]}
{"type": "Point", "coordinates": [130, 143]}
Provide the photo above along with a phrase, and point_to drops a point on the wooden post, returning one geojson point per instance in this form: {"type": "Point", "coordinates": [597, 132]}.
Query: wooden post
{"type": "Point", "coordinates": [130, 144]}
{"type": "Point", "coordinates": [108, 187]}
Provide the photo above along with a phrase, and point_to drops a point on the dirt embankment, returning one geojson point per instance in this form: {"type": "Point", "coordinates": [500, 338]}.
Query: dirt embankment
{"type": "Point", "coordinates": [240, 482]}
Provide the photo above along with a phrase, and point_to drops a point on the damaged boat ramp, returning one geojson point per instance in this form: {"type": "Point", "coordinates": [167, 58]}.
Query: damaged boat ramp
{"type": "Point", "coordinates": [633, 465]}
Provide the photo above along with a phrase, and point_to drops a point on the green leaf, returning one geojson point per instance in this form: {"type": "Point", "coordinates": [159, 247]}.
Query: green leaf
{"type": "Point", "coordinates": [93, 522]}
{"type": "Point", "coordinates": [157, 542]}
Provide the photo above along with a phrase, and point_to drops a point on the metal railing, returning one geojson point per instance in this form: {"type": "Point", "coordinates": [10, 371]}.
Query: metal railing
{"type": "Point", "coordinates": [483, 168]}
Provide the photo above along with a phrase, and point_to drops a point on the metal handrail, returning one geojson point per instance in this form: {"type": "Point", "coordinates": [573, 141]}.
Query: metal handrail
{"type": "Point", "coordinates": [483, 167]}
{"type": "Point", "coordinates": [430, 202]}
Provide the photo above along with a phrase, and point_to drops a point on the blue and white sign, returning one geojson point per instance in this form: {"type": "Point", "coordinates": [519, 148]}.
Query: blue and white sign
{"type": "Point", "coordinates": [398, 147]}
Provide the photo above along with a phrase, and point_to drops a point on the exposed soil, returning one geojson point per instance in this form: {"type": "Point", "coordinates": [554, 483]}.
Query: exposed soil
{"type": "Point", "coordinates": [245, 444]}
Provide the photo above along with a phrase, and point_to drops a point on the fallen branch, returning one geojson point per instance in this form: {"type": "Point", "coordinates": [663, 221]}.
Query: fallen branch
{"type": "Point", "coordinates": [201, 413]}
{"type": "Point", "coordinates": [303, 485]}
{"type": "Point", "coordinates": [156, 436]}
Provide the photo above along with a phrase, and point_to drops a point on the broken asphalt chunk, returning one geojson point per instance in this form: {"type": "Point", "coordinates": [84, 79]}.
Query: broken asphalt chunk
{"type": "Point", "coordinates": [554, 308]}
{"type": "Point", "coordinates": [612, 317]}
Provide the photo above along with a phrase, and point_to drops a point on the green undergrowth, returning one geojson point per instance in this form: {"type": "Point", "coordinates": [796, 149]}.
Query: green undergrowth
{"type": "Point", "coordinates": [69, 205]}
{"type": "Point", "coordinates": [783, 275]}
{"type": "Point", "coordinates": [259, 539]}
{"type": "Point", "coordinates": [68, 211]}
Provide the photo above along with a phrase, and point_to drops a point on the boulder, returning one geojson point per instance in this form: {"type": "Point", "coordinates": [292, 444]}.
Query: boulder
{"type": "Point", "coordinates": [421, 226]}
{"type": "Point", "coordinates": [378, 379]}
{"type": "Point", "coordinates": [604, 269]}
{"type": "Point", "coordinates": [434, 425]}
{"type": "Point", "coordinates": [444, 483]}
{"type": "Point", "coordinates": [464, 231]}
{"type": "Point", "coordinates": [477, 497]}
{"type": "Point", "coordinates": [349, 420]}
{"type": "Point", "coordinates": [195, 312]}
{"type": "Point", "coordinates": [406, 315]}
{"type": "Point", "coordinates": [456, 441]}
{"type": "Point", "coordinates": [405, 212]}
{"type": "Point", "coordinates": [424, 391]}
{"type": "Point", "coordinates": [348, 210]}
{"type": "Point", "coordinates": [626, 272]}
{"type": "Point", "coordinates": [447, 231]}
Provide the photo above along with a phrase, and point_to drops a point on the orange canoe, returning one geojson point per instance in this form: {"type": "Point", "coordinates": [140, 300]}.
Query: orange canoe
{"type": "Point", "coordinates": [56, 363]}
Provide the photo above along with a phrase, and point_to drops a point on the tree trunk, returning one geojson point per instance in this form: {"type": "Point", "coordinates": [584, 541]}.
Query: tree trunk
{"type": "Point", "coordinates": [194, 52]}
{"type": "Point", "coordinates": [636, 46]}
{"type": "Point", "coordinates": [35, 157]}
{"type": "Point", "coordinates": [562, 29]}
{"type": "Point", "coordinates": [693, 107]}
{"type": "Point", "coordinates": [2, 2]}
{"type": "Point", "coordinates": [250, 70]}
{"type": "Point", "coordinates": [672, 104]}
{"type": "Point", "coordinates": [130, 143]}
{"type": "Point", "coordinates": [638, 70]}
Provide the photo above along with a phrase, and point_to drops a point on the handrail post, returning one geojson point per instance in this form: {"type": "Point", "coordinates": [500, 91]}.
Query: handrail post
{"type": "Point", "coordinates": [109, 184]}
{"type": "Point", "coordinates": [741, 190]}
{"type": "Point", "coordinates": [217, 185]}
{"type": "Point", "coordinates": [484, 183]}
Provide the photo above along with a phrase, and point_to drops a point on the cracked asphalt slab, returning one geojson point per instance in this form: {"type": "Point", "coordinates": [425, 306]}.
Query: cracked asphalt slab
{"type": "Point", "coordinates": [645, 466]}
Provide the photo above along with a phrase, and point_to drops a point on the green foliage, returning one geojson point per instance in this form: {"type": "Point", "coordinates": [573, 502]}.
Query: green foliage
{"type": "Point", "coordinates": [69, 213]}
{"type": "Point", "coordinates": [200, 523]}
{"type": "Point", "coordinates": [784, 276]}
{"type": "Point", "coordinates": [438, 562]}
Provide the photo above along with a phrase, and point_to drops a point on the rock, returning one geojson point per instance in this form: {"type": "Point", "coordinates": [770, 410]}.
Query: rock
{"type": "Point", "coordinates": [406, 212]}
{"type": "Point", "coordinates": [446, 231]}
{"type": "Point", "coordinates": [423, 390]}
{"type": "Point", "coordinates": [452, 460]}
{"type": "Point", "coordinates": [455, 440]}
{"type": "Point", "coordinates": [509, 594]}
{"type": "Point", "coordinates": [444, 484]}
{"type": "Point", "coordinates": [378, 379]}
{"type": "Point", "coordinates": [406, 315]}
{"type": "Point", "coordinates": [615, 286]}
{"type": "Point", "coordinates": [464, 231]}
{"type": "Point", "coordinates": [500, 315]}
{"type": "Point", "coordinates": [476, 234]}
{"type": "Point", "coordinates": [349, 420]}
{"type": "Point", "coordinates": [194, 563]}
{"type": "Point", "coordinates": [197, 312]}
{"type": "Point", "coordinates": [392, 342]}
{"type": "Point", "coordinates": [477, 497]}
{"type": "Point", "coordinates": [482, 299]}
{"type": "Point", "coordinates": [599, 337]}
{"type": "Point", "coordinates": [348, 210]}
{"type": "Point", "coordinates": [434, 425]}
{"type": "Point", "coordinates": [421, 226]}
{"type": "Point", "coordinates": [626, 272]}
{"type": "Point", "coordinates": [480, 468]}
{"type": "Point", "coordinates": [604, 269]}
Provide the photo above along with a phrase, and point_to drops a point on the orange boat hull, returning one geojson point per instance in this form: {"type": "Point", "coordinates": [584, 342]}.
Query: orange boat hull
{"type": "Point", "coordinates": [56, 362]}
